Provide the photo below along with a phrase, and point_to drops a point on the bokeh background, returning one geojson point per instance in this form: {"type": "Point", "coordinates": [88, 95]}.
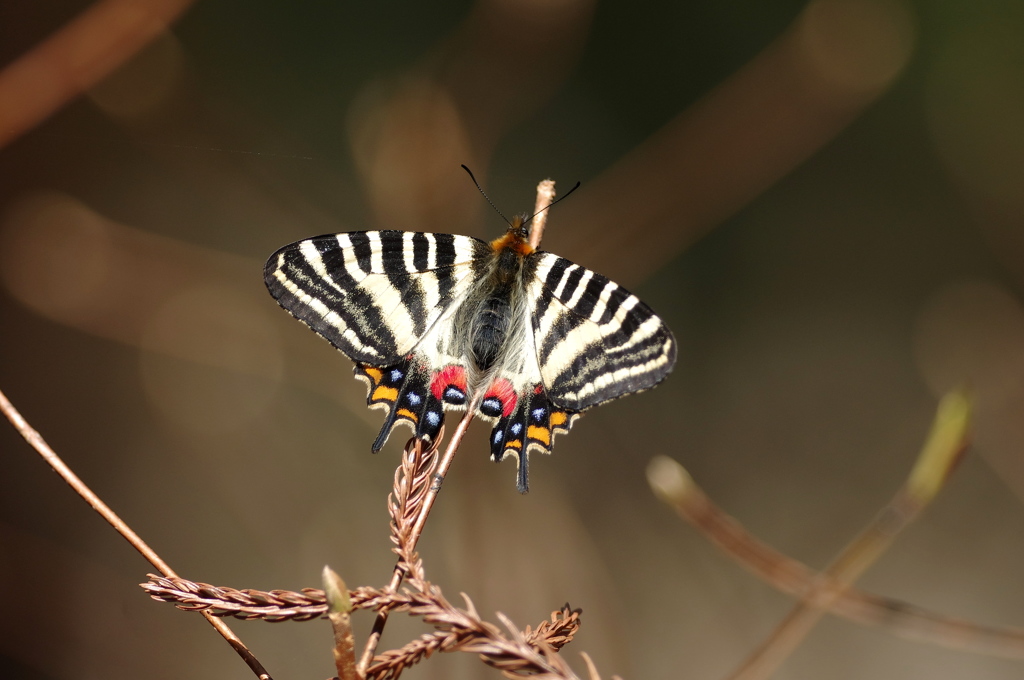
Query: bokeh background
{"type": "Point", "coordinates": [824, 200]}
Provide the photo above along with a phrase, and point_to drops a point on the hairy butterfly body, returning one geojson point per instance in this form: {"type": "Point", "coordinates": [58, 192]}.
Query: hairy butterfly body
{"type": "Point", "coordinates": [434, 320]}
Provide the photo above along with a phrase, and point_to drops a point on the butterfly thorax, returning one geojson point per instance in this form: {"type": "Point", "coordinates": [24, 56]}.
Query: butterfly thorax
{"type": "Point", "coordinates": [492, 315]}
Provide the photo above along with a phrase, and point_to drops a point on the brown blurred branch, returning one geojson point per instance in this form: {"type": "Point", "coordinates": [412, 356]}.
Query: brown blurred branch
{"type": "Point", "coordinates": [792, 577]}
{"type": "Point", "coordinates": [673, 485]}
{"type": "Point", "coordinates": [946, 443]}
{"type": "Point", "coordinates": [60, 467]}
{"type": "Point", "coordinates": [76, 57]}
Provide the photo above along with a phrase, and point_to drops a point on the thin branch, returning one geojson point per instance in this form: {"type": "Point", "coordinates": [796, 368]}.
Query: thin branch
{"type": "Point", "coordinates": [271, 606]}
{"type": "Point", "coordinates": [39, 444]}
{"type": "Point", "coordinates": [413, 535]}
{"type": "Point", "coordinates": [456, 628]}
{"type": "Point", "coordinates": [555, 633]}
{"type": "Point", "coordinates": [413, 480]}
{"type": "Point", "coordinates": [677, 488]}
{"type": "Point", "coordinates": [341, 623]}
{"type": "Point", "coordinates": [515, 656]}
{"type": "Point", "coordinates": [545, 197]}
{"type": "Point", "coordinates": [946, 444]}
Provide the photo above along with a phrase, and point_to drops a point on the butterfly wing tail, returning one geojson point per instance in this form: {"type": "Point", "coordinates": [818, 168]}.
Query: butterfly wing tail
{"type": "Point", "coordinates": [531, 425]}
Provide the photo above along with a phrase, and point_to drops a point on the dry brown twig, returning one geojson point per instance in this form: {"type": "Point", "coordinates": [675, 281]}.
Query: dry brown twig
{"type": "Point", "coordinates": [795, 578]}
{"type": "Point", "coordinates": [416, 485]}
{"type": "Point", "coordinates": [344, 643]}
{"type": "Point", "coordinates": [831, 590]}
{"type": "Point", "coordinates": [530, 652]}
{"type": "Point", "coordinates": [60, 467]}
{"type": "Point", "coordinates": [946, 444]}
{"type": "Point", "coordinates": [545, 197]}
{"type": "Point", "coordinates": [310, 603]}
{"type": "Point", "coordinates": [423, 505]}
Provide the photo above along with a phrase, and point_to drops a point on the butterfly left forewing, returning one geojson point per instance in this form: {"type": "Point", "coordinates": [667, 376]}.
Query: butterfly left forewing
{"type": "Point", "coordinates": [373, 294]}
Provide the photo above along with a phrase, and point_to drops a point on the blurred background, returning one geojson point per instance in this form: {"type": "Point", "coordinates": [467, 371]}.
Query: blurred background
{"type": "Point", "coordinates": [824, 200]}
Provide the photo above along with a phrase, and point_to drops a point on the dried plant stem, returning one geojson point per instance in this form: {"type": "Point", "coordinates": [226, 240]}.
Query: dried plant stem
{"type": "Point", "coordinates": [946, 443]}
{"type": "Point", "coordinates": [416, 479]}
{"type": "Point", "coordinates": [336, 593]}
{"type": "Point", "coordinates": [282, 605]}
{"type": "Point", "coordinates": [676, 487]}
{"type": "Point", "coordinates": [545, 197]}
{"type": "Point", "coordinates": [428, 503]}
{"type": "Point", "coordinates": [60, 467]}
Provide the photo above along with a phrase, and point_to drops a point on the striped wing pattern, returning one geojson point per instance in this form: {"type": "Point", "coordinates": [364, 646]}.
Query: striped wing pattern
{"type": "Point", "coordinates": [595, 340]}
{"type": "Point", "coordinates": [389, 300]}
{"type": "Point", "coordinates": [373, 294]}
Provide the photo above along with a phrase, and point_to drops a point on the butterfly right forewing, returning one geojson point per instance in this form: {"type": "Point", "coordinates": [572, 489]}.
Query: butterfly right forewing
{"type": "Point", "coordinates": [595, 340]}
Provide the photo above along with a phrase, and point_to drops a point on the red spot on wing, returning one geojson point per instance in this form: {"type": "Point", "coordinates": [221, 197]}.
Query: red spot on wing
{"type": "Point", "coordinates": [449, 375]}
{"type": "Point", "coordinates": [502, 390]}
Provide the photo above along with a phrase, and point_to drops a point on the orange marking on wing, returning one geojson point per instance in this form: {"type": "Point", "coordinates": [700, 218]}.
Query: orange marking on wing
{"type": "Point", "coordinates": [375, 373]}
{"type": "Point", "coordinates": [408, 414]}
{"type": "Point", "coordinates": [541, 434]}
{"type": "Point", "coordinates": [514, 444]}
{"type": "Point", "coordinates": [558, 418]}
{"type": "Point", "coordinates": [385, 394]}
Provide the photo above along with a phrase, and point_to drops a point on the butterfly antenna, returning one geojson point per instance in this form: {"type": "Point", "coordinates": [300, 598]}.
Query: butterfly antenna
{"type": "Point", "coordinates": [549, 205]}
{"type": "Point", "coordinates": [484, 193]}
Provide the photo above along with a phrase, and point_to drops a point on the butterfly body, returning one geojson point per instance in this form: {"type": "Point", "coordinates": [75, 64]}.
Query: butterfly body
{"type": "Point", "coordinates": [438, 322]}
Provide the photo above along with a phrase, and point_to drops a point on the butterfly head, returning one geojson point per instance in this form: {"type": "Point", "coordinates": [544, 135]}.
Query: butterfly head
{"type": "Point", "coordinates": [516, 238]}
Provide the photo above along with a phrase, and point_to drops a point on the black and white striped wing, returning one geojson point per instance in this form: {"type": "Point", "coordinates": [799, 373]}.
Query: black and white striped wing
{"type": "Point", "coordinates": [595, 340]}
{"type": "Point", "coordinates": [373, 294]}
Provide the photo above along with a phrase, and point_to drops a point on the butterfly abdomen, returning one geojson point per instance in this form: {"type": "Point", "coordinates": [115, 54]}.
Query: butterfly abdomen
{"type": "Point", "coordinates": [489, 330]}
{"type": "Point", "coordinates": [491, 315]}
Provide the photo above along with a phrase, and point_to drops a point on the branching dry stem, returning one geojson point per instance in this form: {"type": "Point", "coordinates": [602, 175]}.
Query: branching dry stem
{"type": "Point", "coordinates": [423, 510]}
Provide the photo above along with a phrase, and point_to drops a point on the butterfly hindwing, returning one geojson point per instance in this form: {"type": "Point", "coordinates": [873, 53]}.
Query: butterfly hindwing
{"type": "Point", "coordinates": [404, 391]}
{"type": "Point", "coordinates": [595, 340]}
{"type": "Point", "coordinates": [531, 425]}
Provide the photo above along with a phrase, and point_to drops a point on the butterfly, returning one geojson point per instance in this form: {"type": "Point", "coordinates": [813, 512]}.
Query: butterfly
{"type": "Point", "coordinates": [438, 322]}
